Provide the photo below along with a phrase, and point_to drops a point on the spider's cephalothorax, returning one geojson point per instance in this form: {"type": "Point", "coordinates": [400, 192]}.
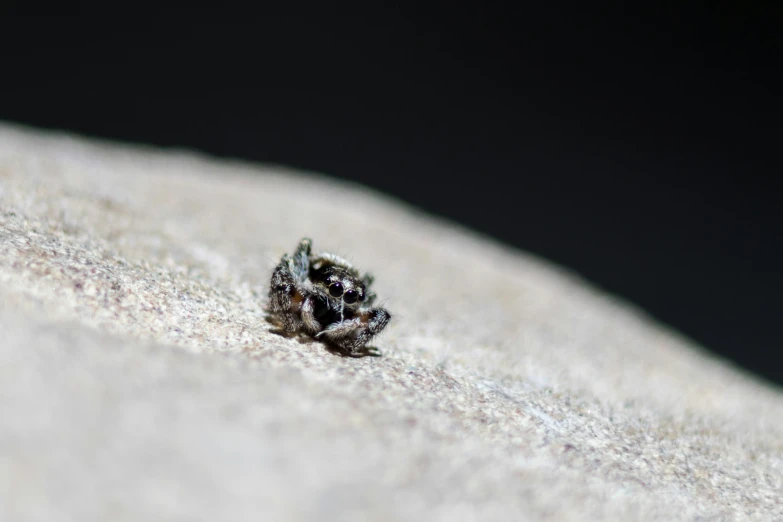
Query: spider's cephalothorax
{"type": "Point", "coordinates": [324, 296]}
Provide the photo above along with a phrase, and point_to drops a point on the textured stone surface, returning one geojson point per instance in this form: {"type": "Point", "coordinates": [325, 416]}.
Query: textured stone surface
{"type": "Point", "coordinates": [139, 381]}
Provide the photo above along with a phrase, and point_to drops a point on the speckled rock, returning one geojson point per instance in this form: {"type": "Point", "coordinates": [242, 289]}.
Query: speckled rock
{"type": "Point", "coordinates": [140, 381]}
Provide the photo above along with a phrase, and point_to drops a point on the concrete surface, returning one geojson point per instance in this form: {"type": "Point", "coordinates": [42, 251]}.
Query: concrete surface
{"type": "Point", "coordinates": [140, 381]}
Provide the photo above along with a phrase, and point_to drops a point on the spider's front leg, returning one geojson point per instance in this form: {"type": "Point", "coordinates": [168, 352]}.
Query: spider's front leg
{"type": "Point", "coordinates": [352, 334]}
{"type": "Point", "coordinates": [285, 299]}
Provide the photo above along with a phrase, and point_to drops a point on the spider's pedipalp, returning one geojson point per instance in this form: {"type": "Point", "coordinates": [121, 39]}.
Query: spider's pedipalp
{"type": "Point", "coordinates": [309, 320]}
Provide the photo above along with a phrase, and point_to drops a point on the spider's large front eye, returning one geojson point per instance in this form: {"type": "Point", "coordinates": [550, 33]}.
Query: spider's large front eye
{"type": "Point", "coordinates": [350, 296]}
{"type": "Point", "coordinates": [336, 289]}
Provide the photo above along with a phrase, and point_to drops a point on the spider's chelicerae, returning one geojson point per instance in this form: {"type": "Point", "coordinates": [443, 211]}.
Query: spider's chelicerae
{"type": "Point", "coordinates": [324, 296]}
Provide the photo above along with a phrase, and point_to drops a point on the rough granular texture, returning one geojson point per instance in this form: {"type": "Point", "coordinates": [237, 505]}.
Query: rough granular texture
{"type": "Point", "coordinates": [140, 381]}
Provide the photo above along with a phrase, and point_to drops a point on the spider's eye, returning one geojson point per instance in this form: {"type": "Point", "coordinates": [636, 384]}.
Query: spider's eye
{"type": "Point", "coordinates": [350, 296]}
{"type": "Point", "coordinates": [336, 289]}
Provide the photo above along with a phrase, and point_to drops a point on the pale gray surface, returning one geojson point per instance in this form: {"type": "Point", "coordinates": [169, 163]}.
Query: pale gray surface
{"type": "Point", "coordinates": [139, 381]}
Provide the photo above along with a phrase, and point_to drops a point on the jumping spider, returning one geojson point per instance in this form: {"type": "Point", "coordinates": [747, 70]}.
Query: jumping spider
{"type": "Point", "coordinates": [324, 296]}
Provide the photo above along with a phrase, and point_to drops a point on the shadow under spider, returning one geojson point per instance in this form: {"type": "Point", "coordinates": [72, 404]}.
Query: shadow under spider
{"type": "Point", "coordinates": [366, 351]}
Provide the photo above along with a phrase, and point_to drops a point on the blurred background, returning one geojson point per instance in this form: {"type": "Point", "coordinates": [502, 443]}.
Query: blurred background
{"type": "Point", "coordinates": [640, 147]}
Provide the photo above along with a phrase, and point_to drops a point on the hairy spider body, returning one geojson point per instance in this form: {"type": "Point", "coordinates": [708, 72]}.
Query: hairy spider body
{"type": "Point", "coordinates": [324, 296]}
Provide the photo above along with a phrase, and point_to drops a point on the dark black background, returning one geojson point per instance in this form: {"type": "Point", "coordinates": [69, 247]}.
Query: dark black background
{"type": "Point", "coordinates": [640, 148]}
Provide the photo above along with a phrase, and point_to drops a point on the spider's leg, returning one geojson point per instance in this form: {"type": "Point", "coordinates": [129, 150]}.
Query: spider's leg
{"type": "Point", "coordinates": [369, 295]}
{"type": "Point", "coordinates": [374, 320]}
{"type": "Point", "coordinates": [338, 331]}
{"type": "Point", "coordinates": [369, 298]}
{"type": "Point", "coordinates": [300, 264]}
{"type": "Point", "coordinates": [284, 296]}
{"type": "Point", "coordinates": [353, 334]}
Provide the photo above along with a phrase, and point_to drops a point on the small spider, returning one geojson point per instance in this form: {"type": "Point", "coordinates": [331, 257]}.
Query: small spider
{"type": "Point", "coordinates": [324, 296]}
